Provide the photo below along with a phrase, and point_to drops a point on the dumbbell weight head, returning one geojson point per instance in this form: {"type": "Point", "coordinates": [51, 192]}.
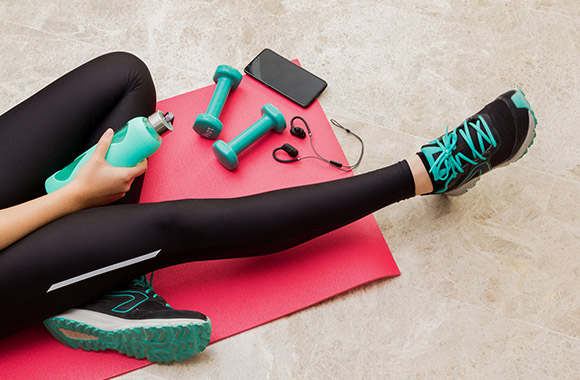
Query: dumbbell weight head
{"type": "Point", "coordinates": [225, 71]}
{"type": "Point", "coordinates": [227, 154]}
{"type": "Point", "coordinates": [208, 124]}
{"type": "Point", "coordinates": [276, 116]}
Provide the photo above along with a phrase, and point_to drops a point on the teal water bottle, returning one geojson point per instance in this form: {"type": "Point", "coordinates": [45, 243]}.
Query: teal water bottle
{"type": "Point", "coordinates": [137, 140]}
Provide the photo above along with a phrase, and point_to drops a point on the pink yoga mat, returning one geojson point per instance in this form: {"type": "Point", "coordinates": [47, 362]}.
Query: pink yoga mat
{"type": "Point", "coordinates": [236, 294]}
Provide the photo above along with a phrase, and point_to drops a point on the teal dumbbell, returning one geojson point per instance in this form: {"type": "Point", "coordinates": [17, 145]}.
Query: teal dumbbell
{"type": "Point", "coordinates": [227, 154]}
{"type": "Point", "coordinates": [208, 124]}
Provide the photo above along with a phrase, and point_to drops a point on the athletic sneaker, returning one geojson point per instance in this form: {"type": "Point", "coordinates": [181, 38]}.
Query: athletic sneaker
{"type": "Point", "coordinates": [496, 136]}
{"type": "Point", "coordinates": [136, 322]}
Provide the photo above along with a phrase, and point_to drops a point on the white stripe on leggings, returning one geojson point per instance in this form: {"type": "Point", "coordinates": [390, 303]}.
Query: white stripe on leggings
{"type": "Point", "coordinates": [106, 269]}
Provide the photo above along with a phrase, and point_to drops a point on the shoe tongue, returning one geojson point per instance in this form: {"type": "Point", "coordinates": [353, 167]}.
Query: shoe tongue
{"type": "Point", "coordinates": [431, 152]}
{"type": "Point", "coordinates": [429, 155]}
{"type": "Point", "coordinates": [462, 145]}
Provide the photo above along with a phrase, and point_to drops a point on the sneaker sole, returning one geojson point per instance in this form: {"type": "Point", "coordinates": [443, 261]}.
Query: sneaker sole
{"type": "Point", "coordinates": [520, 101]}
{"type": "Point", "coordinates": [161, 344]}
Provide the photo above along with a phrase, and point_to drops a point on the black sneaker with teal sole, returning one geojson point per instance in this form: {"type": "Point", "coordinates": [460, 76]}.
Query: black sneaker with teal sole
{"type": "Point", "coordinates": [496, 136]}
{"type": "Point", "coordinates": [136, 322]}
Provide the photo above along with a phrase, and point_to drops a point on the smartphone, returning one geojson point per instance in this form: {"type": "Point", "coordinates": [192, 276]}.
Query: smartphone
{"type": "Point", "coordinates": [285, 77]}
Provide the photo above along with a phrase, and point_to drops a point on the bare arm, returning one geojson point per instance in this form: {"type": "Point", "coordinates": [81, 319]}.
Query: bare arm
{"type": "Point", "coordinates": [96, 184]}
{"type": "Point", "coordinates": [20, 220]}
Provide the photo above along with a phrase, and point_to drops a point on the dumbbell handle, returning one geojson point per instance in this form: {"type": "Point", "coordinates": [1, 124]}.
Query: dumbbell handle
{"type": "Point", "coordinates": [251, 134]}
{"type": "Point", "coordinates": [222, 89]}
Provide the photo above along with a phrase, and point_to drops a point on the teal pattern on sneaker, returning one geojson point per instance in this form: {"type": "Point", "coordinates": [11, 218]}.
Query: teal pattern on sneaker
{"type": "Point", "coordinates": [161, 344]}
{"type": "Point", "coordinates": [449, 162]}
{"type": "Point", "coordinates": [134, 321]}
{"type": "Point", "coordinates": [520, 101]}
{"type": "Point", "coordinates": [456, 160]}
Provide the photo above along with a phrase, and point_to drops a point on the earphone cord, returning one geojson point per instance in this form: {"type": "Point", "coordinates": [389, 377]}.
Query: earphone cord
{"type": "Point", "coordinates": [338, 165]}
{"type": "Point", "coordinates": [362, 146]}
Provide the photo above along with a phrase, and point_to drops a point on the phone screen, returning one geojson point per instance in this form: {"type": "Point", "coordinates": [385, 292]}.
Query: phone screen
{"type": "Point", "coordinates": [285, 77]}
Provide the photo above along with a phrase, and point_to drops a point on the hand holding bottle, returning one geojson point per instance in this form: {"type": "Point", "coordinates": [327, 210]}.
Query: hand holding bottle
{"type": "Point", "coordinates": [137, 140]}
{"type": "Point", "coordinates": [99, 183]}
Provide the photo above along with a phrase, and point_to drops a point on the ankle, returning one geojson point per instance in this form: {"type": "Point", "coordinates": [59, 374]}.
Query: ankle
{"type": "Point", "coordinates": [423, 184]}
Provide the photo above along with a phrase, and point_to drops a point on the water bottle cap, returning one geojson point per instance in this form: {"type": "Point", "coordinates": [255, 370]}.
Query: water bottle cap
{"type": "Point", "coordinates": [161, 122]}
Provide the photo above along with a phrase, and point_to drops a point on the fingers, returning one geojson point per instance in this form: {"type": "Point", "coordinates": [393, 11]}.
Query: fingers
{"type": "Point", "coordinates": [104, 143]}
{"type": "Point", "coordinates": [138, 169]}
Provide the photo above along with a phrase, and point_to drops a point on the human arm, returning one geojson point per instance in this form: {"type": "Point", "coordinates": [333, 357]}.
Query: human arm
{"type": "Point", "coordinates": [97, 183]}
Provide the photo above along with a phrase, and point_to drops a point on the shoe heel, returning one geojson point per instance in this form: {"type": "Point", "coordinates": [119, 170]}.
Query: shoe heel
{"type": "Point", "coordinates": [519, 99]}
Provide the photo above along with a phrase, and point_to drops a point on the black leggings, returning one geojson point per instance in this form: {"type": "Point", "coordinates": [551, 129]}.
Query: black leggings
{"type": "Point", "coordinates": [82, 255]}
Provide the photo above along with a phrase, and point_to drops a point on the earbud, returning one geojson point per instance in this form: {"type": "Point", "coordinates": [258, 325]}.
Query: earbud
{"type": "Point", "coordinates": [292, 152]}
{"type": "Point", "coordinates": [298, 132]}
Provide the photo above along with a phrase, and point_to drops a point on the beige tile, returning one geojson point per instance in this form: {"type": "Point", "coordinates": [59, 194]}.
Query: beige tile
{"type": "Point", "coordinates": [170, 81]}
{"type": "Point", "coordinates": [139, 374]}
{"type": "Point", "coordinates": [550, 297]}
{"type": "Point", "coordinates": [494, 15]}
{"type": "Point", "coordinates": [32, 59]}
{"type": "Point", "coordinates": [566, 9]}
{"type": "Point", "coordinates": [387, 331]}
{"type": "Point", "coordinates": [477, 248]}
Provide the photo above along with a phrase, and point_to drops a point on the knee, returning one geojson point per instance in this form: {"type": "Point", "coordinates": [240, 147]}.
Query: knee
{"type": "Point", "coordinates": [134, 72]}
{"type": "Point", "coordinates": [128, 65]}
{"type": "Point", "coordinates": [129, 61]}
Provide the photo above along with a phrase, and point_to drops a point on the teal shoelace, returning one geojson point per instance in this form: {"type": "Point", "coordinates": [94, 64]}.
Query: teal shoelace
{"type": "Point", "coordinates": [448, 164]}
{"type": "Point", "coordinates": [148, 285]}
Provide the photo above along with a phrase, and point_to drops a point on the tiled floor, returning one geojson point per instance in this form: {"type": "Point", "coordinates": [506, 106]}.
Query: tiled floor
{"type": "Point", "coordinates": [490, 280]}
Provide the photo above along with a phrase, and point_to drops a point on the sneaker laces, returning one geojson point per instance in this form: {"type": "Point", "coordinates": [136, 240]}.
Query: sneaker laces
{"type": "Point", "coordinates": [449, 164]}
{"type": "Point", "coordinates": [147, 284]}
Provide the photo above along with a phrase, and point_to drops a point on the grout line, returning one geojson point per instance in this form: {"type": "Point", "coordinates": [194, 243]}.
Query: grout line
{"type": "Point", "coordinates": [547, 329]}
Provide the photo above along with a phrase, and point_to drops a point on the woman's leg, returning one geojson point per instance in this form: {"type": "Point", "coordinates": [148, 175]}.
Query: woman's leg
{"type": "Point", "coordinates": [49, 130]}
{"type": "Point", "coordinates": [83, 255]}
